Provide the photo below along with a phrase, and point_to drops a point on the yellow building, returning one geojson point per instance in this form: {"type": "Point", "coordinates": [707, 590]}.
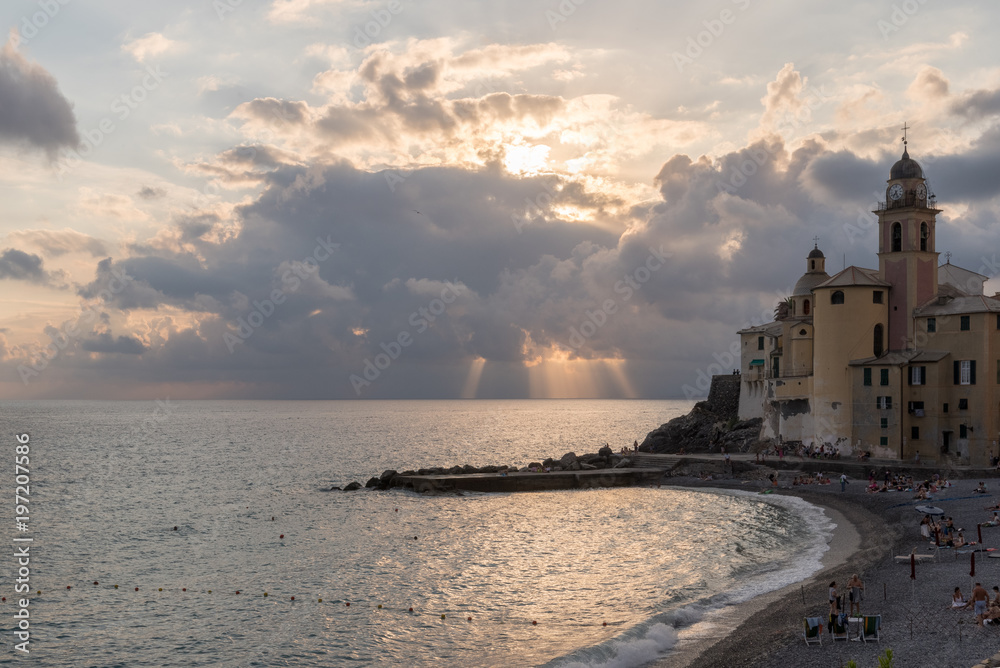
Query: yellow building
{"type": "Point", "coordinates": [898, 361]}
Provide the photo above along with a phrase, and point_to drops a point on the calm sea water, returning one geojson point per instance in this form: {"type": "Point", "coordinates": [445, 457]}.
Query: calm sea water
{"type": "Point", "coordinates": [492, 580]}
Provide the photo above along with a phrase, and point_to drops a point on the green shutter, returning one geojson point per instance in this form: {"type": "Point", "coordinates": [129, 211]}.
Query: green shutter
{"type": "Point", "coordinates": [868, 376]}
{"type": "Point", "coordinates": [972, 372]}
{"type": "Point", "coordinates": [958, 373]}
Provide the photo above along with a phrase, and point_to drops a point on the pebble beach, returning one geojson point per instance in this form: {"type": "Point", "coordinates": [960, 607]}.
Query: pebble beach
{"type": "Point", "coordinates": [918, 623]}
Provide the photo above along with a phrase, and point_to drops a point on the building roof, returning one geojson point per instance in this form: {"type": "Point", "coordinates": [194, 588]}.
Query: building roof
{"type": "Point", "coordinates": [804, 286]}
{"type": "Point", "coordinates": [967, 281]}
{"type": "Point", "coordinates": [815, 253]}
{"type": "Point", "coordinates": [958, 304]}
{"type": "Point", "coordinates": [906, 168]}
{"type": "Point", "coordinates": [854, 276]}
{"type": "Point", "coordinates": [772, 329]}
{"type": "Point", "coordinates": [901, 358]}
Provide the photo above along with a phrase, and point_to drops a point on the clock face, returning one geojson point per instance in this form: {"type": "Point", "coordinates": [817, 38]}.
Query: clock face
{"type": "Point", "coordinates": [921, 191]}
{"type": "Point", "coordinates": [896, 192]}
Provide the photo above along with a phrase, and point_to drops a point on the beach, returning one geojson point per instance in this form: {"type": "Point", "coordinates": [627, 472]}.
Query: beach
{"type": "Point", "coordinates": [917, 622]}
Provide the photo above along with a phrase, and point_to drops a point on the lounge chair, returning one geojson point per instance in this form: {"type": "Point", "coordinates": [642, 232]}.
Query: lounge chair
{"type": "Point", "coordinates": [870, 625]}
{"type": "Point", "coordinates": [839, 628]}
{"type": "Point", "coordinates": [812, 627]}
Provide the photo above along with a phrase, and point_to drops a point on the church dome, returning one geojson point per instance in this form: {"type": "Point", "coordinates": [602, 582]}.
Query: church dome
{"type": "Point", "coordinates": [906, 168]}
{"type": "Point", "coordinates": [815, 253]}
{"type": "Point", "coordinates": [804, 286]}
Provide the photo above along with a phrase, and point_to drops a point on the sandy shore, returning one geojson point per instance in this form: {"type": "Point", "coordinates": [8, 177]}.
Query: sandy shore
{"type": "Point", "coordinates": [918, 624]}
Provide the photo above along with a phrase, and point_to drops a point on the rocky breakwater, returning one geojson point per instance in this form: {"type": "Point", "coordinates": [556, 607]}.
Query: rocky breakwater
{"type": "Point", "coordinates": [605, 458]}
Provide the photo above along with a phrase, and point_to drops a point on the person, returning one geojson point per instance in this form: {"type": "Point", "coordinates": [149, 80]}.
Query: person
{"type": "Point", "coordinates": [993, 522]}
{"type": "Point", "coordinates": [855, 587]}
{"type": "Point", "coordinates": [978, 602]}
{"type": "Point", "coordinates": [957, 599]}
{"type": "Point", "coordinates": [843, 482]}
{"type": "Point", "coordinates": [635, 446]}
{"type": "Point", "coordinates": [925, 527]}
{"type": "Point", "coordinates": [981, 489]}
{"type": "Point", "coordinates": [833, 598]}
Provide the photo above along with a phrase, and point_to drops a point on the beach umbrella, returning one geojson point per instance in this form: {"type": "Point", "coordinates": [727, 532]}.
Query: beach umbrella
{"type": "Point", "coordinates": [913, 567]}
{"type": "Point", "coordinates": [929, 510]}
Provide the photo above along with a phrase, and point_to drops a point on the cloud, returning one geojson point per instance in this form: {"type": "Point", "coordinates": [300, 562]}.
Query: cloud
{"type": "Point", "coordinates": [151, 44]}
{"type": "Point", "coordinates": [105, 343]}
{"type": "Point", "coordinates": [60, 242]}
{"type": "Point", "coordinates": [33, 111]}
{"type": "Point", "coordinates": [20, 266]}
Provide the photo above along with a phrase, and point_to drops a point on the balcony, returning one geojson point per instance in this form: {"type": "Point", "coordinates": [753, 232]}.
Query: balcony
{"type": "Point", "coordinates": [908, 199]}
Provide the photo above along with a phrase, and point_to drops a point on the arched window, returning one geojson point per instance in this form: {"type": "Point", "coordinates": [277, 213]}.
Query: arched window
{"type": "Point", "coordinates": [805, 307]}
{"type": "Point", "coordinates": [897, 237]}
{"type": "Point", "coordinates": [812, 264]}
{"type": "Point", "coordinates": [837, 297]}
{"type": "Point", "coordinates": [924, 233]}
{"type": "Point", "coordinates": [877, 347]}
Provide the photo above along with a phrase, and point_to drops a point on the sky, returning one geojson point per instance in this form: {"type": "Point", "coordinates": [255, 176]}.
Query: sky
{"type": "Point", "coordinates": [339, 199]}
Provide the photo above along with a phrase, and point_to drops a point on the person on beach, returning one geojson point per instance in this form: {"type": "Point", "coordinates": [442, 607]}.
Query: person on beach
{"type": "Point", "coordinates": [843, 482]}
{"type": "Point", "coordinates": [833, 598]}
{"type": "Point", "coordinates": [979, 601]}
{"type": "Point", "coordinates": [925, 527]}
{"type": "Point", "coordinates": [855, 586]}
{"type": "Point", "coordinates": [981, 489]}
{"type": "Point", "coordinates": [957, 599]}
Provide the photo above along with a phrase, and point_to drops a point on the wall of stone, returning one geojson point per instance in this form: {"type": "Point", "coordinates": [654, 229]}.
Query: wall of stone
{"type": "Point", "coordinates": [724, 395]}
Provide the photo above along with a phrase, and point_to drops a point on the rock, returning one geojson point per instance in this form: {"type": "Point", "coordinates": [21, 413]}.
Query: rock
{"type": "Point", "coordinates": [455, 470]}
{"type": "Point", "coordinates": [372, 482]}
{"type": "Point", "coordinates": [624, 463]}
{"type": "Point", "coordinates": [573, 466]}
{"type": "Point", "coordinates": [535, 465]}
{"type": "Point", "coordinates": [352, 486]}
{"type": "Point", "coordinates": [387, 475]}
{"type": "Point", "coordinates": [469, 469]}
{"type": "Point", "coordinates": [568, 459]}
{"type": "Point", "coordinates": [335, 487]}
{"type": "Point", "coordinates": [606, 451]}
{"type": "Point", "coordinates": [548, 462]}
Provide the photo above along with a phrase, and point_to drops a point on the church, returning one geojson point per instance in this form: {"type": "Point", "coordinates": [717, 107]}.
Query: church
{"type": "Point", "coordinates": [902, 361]}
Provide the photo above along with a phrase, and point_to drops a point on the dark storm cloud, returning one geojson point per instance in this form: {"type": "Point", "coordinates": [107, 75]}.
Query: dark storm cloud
{"type": "Point", "coordinates": [20, 266]}
{"type": "Point", "coordinates": [32, 110]}
{"type": "Point", "coordinates": [105, 343]}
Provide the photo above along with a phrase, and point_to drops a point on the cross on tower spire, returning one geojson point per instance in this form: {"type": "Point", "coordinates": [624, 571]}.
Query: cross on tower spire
{"type": "Point", "coordinates": [947, 257]}
{"type": "Point", "coordinates": [905, 128]}
{"type": "Point", "coordinates": [816, 241]}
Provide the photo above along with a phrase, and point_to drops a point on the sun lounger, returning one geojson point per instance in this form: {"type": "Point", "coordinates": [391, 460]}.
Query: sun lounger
{"type": "Point", "coordinates": [870, 626]}
{"type": "Point", "coordinates": [811, 630]}
{"type": "Point", "coordinates": [905, 558]}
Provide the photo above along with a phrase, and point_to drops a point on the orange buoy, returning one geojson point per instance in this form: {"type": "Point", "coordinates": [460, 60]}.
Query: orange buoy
{"type": "Point", "coordinates": [442, 616]}
{"type": "Point", "coordinates": [184, 589]}
{"type": "Point", "coordinates": [4, 599]}
{"type": "Point", "coordinates": [95, 582]}
{"type": "Point", "coordinates": [605, 623]}
{"type": "Point", "coordinates": [116, 586]}
{"type": "Point", "coordinates": [39, 592]}
{"type": "Point", "coordinates": [161, 589]}
{"type": "Point", "coordinates": [470, 619]}
{"type": "Point", "coordinates": [237, 591]}
{"type": "Point", "coordinates": [68, 587]}
{"type": "Point", "coordinates": [281, 536]}
{"type": "Point", "coordinates": [379, 606]}
{"type": "Point", "coordinates": [348, 604]}
{"type": "Point", "coordinates": [265, 594]}
{"type": "Point", "coordinates": [534, 623]}
{"type": "Point", "coordinates": [175, 528]}
{"type": "Point", "coordinates": [293, 598]}
{"type": "Point", "coordinates": [137, 589]}
{"type": "Point", "coordinates": [320, 601]}
{"type": "Point", "coordinates": [411, 609]}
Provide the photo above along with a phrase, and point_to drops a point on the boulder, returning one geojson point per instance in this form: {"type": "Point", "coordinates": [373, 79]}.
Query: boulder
{"type": "Point", "coordinates": [352, 486]}
{"type": "Point", "coordinates": [568, 460]}
{"type": "Point", "coordinates": [335, 487]}
{"type": "Point", "coordinates": [625, 462]}
{"type": "Point", "coordinates": [606, 451]}
{"type": "Point", "coordinates": [388, 475]}
{"type": "Point", "coordinates": [372, 482]}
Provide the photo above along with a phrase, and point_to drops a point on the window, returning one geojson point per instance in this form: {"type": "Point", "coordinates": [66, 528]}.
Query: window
{"type": "Point", "coordinates": [883, 376]}
{"type": "Point", "coordinates": [931, 325]}
{"type": "Point", "coordinates": [915, 433]}
{"type": "Point", "coordinates": [965, 372]}
{"type": "Point", "coordinates": [965, 323]}
{"type": "Point", "coordinates": [877, 297]}
{"type": "Point", "coordinates": [963, 404]}
{"type": "Point", "coordinates": [812, 265]}
{"type": "Point", "coordinates": [915, 408]}
{"type": "Point", "coordinates": [944, 409]}
{"type": "Point", "coordinates": [918, 375]}
{"type": "Point", "coordinates": [923, 236]}
{"type": "Point", "coordinates": [897, 237]}
{"type": "Point", "coordinates": [868, 375]}
{"type": "Point", "coordinates": [884, 423]}
{"type": "Point", "coordinates": [883, 403]}
{"type": "Point", "coordinates": [805, 307]}
{"type": "Point", "coordinates": [837, 297]}
{"type": "Point", "coordinates": [760, 343]}
{"type": "Point", "coordinates": [883, 440]}
{"type": "Point", "coordinates": [877, 340]}
{"type": "Point", "coordinates": [963, 431]}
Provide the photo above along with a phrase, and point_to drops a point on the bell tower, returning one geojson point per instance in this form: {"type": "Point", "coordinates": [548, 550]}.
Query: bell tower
{"type": "Point", "coordinates": [907, 259]}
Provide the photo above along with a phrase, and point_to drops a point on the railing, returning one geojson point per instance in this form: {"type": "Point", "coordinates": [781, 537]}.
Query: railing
{"type": "Point", "coordinates": [908, 199]}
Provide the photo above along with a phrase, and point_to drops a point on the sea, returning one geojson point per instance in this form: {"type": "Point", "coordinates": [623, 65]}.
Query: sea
{"type": "Point", "coordinates": [204, 533]}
